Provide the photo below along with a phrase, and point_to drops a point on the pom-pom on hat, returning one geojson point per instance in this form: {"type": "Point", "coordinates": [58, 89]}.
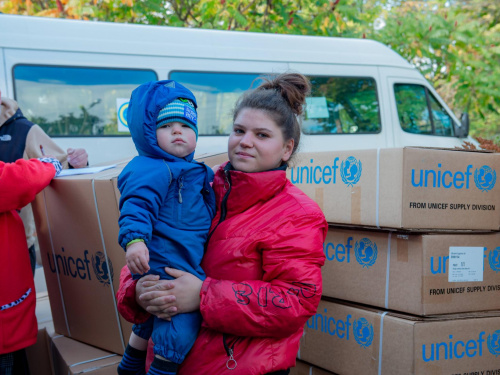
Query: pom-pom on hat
{"type": "Point", "coordinates": [179, 110]}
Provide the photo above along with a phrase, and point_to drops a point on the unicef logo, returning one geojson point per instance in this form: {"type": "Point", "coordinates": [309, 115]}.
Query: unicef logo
{"type": "Point", "coordinates": [350, 171]}
{"type": "Point", "coordinates": [366, 252]}
{"type": "Point", "coordinates": [103, 268]}
{"type": "Point", "coordinates": [122, 114]}
{"type": "Point", "coordinates": [485, 178]}
{"type": "Point", "coordinates": [363, 332]}
{"type": "Point", "coordinates": [494, 259]}
{"type": "Point", "coordinates": [494, 343]}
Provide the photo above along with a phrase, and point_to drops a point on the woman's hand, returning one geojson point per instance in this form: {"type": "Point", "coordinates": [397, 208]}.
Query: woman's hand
{"type": "Point", "coordinates": [156, 301]}
{"type": "Point", "coordinates": [166, 298]}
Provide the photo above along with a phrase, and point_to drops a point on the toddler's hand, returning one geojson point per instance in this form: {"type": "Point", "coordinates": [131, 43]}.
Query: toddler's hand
{"type": "Point", "coordinates": [137, 258]}
{"type": "Point", "coordinates": [57, 165]}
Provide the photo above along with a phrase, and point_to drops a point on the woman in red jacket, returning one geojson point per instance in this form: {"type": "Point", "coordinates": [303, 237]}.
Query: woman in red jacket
{"type": "Point", "coordinates": [264, 252]}
{"type": "Point", "coordinates": [19, 183]}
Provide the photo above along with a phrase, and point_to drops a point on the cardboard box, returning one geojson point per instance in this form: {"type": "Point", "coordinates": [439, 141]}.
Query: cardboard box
{"type": "Point", "coordinates": [412, 272]}
{"type": "Point", "coordinates": [77, 227]}
{"type": "Point", "coordinates": [412, 188]}
{"type": "Point", "coordinates": [72, 357]}
{"type": "Point", "coordinates": [303, 368]}
{"type": "Point", "coordinates": [38, 355]}
{"type": "Point", "coordinates": [352, 340]}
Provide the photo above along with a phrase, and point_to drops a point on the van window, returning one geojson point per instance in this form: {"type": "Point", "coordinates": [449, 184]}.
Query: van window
{"type": "Point", "coordinates": [337, 104]}
{"type": "Point", "coordinates": [75, 101]}
{"type": "Point", "coordinates": [419, 111]}
{"type": "Point", "coordinates": [216, 94]}
{"type": "Point", "coordinates": [342, 105]}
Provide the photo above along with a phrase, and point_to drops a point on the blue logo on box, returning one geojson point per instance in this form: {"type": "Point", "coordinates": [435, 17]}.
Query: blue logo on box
{"type": "Point", "coordinates": [350, 171]}
{"type": "Point", "coordinates": [103, 268]}
{"type": "Point", "coordinates": [363, 332]}
{"type": "Point", "coordinates": [494, 259]}
{"type": "Point", "coordinates": [485, 178]}
{"type": "Point", "coordinates": [494, 343]}
{"type": "Point", "coordinates": [366, 252]}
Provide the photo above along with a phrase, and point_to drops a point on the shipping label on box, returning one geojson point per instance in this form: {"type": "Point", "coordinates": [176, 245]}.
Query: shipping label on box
{"type": "Point", "coordinates": [411, 188]}
{"type": "Point", "coordinates": [413, 273]}
{"type": "Point", "coordinates": [351, 340]}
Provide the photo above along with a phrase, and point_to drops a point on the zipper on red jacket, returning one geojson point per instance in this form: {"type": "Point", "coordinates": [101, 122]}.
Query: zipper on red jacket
{"type": "Point", "coordinates": [223, 208]}
{"type": "Point", "coordinates": [231, 362]}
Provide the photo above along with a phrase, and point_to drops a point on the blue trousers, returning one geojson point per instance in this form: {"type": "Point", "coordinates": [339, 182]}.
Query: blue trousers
{"type": "Point", "coordinates": [173, 340]}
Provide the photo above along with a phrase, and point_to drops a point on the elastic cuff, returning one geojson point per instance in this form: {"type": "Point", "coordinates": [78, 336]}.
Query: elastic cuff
{"type": "Point", "coordinates": [134, 241]}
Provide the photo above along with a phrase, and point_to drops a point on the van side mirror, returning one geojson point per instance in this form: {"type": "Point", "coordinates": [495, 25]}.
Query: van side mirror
{"type": "Point", "coordinates": [462, 130]}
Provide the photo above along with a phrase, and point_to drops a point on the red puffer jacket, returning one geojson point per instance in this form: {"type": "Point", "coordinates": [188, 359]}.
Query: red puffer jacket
{"type": "Point", "coordinates": [19, 183]}
{"type": "Point", "coordinates": [263, 281]}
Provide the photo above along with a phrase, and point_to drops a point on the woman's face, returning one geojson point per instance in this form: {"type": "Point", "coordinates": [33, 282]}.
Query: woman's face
{"type": "Point", "coordinates": [256, 143]}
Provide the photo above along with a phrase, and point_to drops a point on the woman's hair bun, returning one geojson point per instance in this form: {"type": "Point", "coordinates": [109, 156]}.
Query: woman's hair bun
{"type": "Point", "coordinates": [293, 87]}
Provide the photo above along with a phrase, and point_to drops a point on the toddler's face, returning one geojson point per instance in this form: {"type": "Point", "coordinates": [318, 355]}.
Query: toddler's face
{"type": "Point", "coordinates": [176, 138]}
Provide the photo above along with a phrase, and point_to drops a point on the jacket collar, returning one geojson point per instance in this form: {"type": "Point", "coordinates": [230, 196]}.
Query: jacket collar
{"type": "Point", "coordinates": [9, 108]}
{"type": "Point", "coordinates": [247, 189]}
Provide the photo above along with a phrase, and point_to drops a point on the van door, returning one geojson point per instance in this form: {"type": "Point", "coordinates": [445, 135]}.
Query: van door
{"type": "Point", "coordinates": [345, 109]}
{"type": "Point", "coordinates": [3, 74]}
{"type": "Point", "coordinates": [420, 117]}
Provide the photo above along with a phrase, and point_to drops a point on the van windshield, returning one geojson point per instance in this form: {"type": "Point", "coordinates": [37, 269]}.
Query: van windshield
{"type": "Point", "coordinates": [419, 111]}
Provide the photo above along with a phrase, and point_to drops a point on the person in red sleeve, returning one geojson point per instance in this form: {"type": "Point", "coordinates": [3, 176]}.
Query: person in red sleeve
{"type": "Point", "coordinates": [22, 139]}
{"type": "Point", "coordinates": [19, 183]}
{"type": "Point", "coordinates": [264, 252]}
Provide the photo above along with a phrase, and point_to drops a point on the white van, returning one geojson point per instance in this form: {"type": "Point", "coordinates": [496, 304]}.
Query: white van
{"type": "Point", "coordinates": [74, 79]}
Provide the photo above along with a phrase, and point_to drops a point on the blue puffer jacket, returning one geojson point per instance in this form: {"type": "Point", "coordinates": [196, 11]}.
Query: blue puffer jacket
{"type": "Point", "coordinates": [165, 200]}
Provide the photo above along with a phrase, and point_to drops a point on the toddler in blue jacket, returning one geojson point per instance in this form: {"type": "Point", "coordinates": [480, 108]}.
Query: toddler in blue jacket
{"type": "Point", "coordinates": [166, 208]}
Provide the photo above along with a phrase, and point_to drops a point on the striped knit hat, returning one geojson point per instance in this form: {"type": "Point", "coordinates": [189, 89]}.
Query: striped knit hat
{"type": "Point", "coordinates": [179, 110]}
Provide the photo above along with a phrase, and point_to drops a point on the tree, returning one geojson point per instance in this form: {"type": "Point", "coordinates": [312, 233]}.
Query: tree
{"type": "Point", "coordinates": [455, 45]}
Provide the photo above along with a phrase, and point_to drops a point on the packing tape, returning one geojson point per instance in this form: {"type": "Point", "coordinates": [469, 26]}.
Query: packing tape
{"type": "Point", "coordinates": [402, 242]}
{"type": "Point", "coordinates": [56, 265]}
{"type": "Point", "coordinates": [381, 343]}
{"type": "Point", "coordinates": [377, 190]}
{"type": "Point", "coordinates": [320, 198]}
{"type": "Point", "coordinates": [111, 288]}
{"type": "Point", "coordinates": [93, 360]}
{"type": "Point", "coordinates": [356, 204]}
{"type": "Point", "coordinates": [388, 269]}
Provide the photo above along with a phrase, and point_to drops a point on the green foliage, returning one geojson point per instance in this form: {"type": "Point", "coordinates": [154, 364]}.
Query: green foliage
{"type": "Point", "coordinates": [454, 43]}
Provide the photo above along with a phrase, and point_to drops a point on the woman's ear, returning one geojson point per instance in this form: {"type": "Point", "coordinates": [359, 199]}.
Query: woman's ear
{"type": "Point", "coordinates": [288, 149]}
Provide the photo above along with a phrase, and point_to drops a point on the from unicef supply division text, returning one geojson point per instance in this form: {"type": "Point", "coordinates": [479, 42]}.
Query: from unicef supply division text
{"type": "Point", "coordinates": [451, 206]}
{"type": "Point", "coordinates": [405, 188]}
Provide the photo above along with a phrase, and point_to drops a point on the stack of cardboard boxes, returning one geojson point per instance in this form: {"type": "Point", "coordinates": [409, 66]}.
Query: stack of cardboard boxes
{"type": "Point", "coordinates": [77, 228]}
{"type": "Point", "coordinates": [411, 283]}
